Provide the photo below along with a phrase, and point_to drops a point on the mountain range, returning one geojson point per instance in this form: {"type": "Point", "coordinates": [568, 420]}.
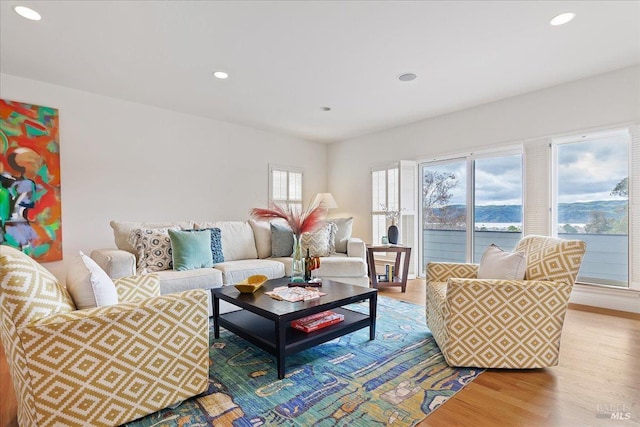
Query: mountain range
{"type": "Point", "coordinates": [568, 213]}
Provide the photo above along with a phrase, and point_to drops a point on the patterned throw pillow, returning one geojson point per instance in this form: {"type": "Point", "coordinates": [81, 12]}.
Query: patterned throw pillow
{"type": "Point", "coordinates": [320, 241]}
{"type": "Point", "coordinates": [153, 249]}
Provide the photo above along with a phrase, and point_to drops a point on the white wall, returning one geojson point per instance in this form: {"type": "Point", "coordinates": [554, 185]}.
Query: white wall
{"type": "Point", "coordinates": [127, 161]}
{"type": "Point", "coordinates": [607, 99]}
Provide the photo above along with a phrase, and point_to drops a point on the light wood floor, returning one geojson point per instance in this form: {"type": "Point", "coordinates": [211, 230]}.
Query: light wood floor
{"type": "Point", "coordinates": [599, 369]}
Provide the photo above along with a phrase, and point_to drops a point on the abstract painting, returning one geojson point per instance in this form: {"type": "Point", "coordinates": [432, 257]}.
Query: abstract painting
{"type": "Point", "coordinates": [30, 204]}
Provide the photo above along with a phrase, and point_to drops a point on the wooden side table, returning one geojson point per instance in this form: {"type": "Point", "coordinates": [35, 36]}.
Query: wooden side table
{"type": "Point", "coordinates": [396, 280]}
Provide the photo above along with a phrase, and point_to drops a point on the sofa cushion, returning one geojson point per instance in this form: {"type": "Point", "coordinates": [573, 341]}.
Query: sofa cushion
{"type": "Point", "coordinates": [172, 281]}
{"type": "Point", "coordinates": [333, 266]}
{"type": "Point", "coordinates": [191, 249]}
{"type": "Point", "coordinates": [237, 239]}
{"type": "Point", "coordinates": [498, 264]}
{"type": "Point", "coordinates": [122, 230]}
{"type": "Point", "coordinates": [153, 249]}
{"type": "Point", "coordinates": [344, 228]}
{"type": "Point", "coordinates": [89, 285]}
{"type": "Point", "coordinates": [262, 234]}
{"type": "Point", "coordinates": [236, 271]}
{"type": "Point", "coordinates": [319, 242]}
{"type": "Point", "coordinates": [281, 240]}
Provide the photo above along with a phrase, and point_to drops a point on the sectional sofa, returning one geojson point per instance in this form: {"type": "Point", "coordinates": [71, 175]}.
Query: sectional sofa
{"type": "Point", "coordinates": [247, 250]}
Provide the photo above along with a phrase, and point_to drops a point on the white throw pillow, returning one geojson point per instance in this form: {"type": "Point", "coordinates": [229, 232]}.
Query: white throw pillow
{"type": "Point", "coordinates": [344, 227]}
{"type": "Point", "coordinates": [262, 234]}
{"type": "Point", "coordinates": [498, 264]}
{"type": "Point", "coordinates": [88, 284]}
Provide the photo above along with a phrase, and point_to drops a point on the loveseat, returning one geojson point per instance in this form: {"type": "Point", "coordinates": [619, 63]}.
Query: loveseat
{"type": "Point", "coordinates": [247, 249]}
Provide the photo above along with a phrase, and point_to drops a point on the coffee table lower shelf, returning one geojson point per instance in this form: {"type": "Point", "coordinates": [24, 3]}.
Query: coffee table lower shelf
{"type": "Point", "coordinates": [263, 332]}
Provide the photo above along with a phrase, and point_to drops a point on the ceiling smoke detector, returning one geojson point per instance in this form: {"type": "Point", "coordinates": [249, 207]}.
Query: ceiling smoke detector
{"type": "Point", "coordinates": [407, 77]}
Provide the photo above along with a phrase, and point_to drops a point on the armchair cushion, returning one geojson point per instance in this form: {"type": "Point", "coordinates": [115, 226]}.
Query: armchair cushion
{"type": "Point", "coordinates": [89, 285]}
{"type": "Point", "coordinates": [134, 288]}
{"type": "Point", "coordinates": [498, 264]}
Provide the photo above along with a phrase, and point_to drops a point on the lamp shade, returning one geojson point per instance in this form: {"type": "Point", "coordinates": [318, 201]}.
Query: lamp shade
{"type": "Point", "coordinates": [325, 200]}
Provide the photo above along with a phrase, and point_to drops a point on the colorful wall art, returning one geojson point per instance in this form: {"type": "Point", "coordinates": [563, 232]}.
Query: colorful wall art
{"type": "Point", "coordinates": [30, 208]}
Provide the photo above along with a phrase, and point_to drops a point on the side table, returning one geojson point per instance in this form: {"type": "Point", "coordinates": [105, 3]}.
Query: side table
{"type": "Point", "coordinates": [396, 280]}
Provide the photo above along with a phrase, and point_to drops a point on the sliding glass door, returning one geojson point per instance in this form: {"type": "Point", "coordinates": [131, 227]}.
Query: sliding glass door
{"type": "Point", "coordinates": [478, 193]}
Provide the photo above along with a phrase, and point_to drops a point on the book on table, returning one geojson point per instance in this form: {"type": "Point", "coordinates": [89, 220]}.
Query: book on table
{"type": "Point", "coordinates": [317, 321]}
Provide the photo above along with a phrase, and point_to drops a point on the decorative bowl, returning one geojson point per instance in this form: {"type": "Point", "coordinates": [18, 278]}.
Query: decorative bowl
{"type": "Point", "coordinates": [251, 284]}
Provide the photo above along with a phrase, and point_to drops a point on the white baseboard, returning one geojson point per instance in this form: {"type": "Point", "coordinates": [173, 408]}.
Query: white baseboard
{"type": "Point", "coordinates": [613, 299]}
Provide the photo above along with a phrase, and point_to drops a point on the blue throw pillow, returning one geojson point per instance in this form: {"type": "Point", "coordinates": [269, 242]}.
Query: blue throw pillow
{"type": "Point", "coordinates": [216, 244]}
{"type": "Point", "coordinates": [190, 250]}
{"type": "Point", "coordinates": [281, 240]}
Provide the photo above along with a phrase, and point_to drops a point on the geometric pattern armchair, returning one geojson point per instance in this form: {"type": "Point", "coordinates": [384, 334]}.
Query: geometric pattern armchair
{"type": "Point", "coordinates": [101, 366]}
{"type": "Point", "coordinates": [504, 323]}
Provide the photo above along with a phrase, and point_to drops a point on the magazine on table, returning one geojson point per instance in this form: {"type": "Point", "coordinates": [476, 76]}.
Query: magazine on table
{"type": "Point", "coordinates": [285, 293]}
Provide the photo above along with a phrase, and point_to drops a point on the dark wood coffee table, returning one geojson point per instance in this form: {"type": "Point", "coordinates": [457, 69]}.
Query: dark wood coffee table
{"type": "Point", "coordinates": [265, 322]}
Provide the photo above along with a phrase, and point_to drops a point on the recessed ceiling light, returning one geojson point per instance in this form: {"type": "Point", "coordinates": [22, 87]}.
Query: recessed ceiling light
{"type": "Point", "coordinates": [407, 77]}
{"type": "Point", "coordinates": [25, 12]}
{"type": "Point", "coordinates": [562, 19]}
{"type": "Point", "coordinates": [220, 74]}
{"type": "Point", "coordinates": [325, 108]}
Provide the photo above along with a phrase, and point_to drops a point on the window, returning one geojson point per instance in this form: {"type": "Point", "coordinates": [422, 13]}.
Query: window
{"type": "Point", "coordinates": [385, 190]}
{"type": "Point", "coordinates": [285, 186]}
{"type": "Point", "coordinates": [591, 202]}
{"type": "Point", "coordinates": [482, 193]}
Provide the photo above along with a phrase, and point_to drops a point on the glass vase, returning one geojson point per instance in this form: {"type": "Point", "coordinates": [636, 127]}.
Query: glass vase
{"type": "Point", "coordinates": [297, 261]}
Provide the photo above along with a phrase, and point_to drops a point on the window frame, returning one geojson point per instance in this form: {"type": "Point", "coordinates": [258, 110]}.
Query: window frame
{"type": "Point", "coordinates": [554, 143]}
{"type": "Point", "coordinates": [376, 212]}
{"type": "Point", "coordinates": [288, 201]}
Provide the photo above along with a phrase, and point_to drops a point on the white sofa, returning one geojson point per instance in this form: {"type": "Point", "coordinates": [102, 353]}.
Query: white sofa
{"type": "Point", "coordinates": [246, 246]}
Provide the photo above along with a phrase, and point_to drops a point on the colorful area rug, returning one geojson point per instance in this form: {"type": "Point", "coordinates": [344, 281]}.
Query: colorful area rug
{"type": "Point", "coordinates": [397, 379]}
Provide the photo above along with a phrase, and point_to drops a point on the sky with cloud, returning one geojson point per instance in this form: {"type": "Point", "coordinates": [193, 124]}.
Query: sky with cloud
{"type": "Point", "coordinates": [587, 171]}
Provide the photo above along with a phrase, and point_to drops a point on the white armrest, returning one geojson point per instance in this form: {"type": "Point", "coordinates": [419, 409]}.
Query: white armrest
{"type": "Point", "coordinates": [356, 248]}
{"type": "Point", "coordinates": [115, 262]}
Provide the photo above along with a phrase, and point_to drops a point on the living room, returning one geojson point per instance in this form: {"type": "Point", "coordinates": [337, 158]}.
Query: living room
{"type": "Point", "coordinates": [147, 133]}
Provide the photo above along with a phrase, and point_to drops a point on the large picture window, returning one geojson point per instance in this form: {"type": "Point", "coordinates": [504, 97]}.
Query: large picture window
{"type": "Point", "coordinates": [592, 202]}
{"type": "Point", "coordinates": [469, 203]}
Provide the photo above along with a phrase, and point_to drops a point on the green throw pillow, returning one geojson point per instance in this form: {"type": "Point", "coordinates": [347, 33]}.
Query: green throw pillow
{"type": "Point", "coordinates": [191, 249]}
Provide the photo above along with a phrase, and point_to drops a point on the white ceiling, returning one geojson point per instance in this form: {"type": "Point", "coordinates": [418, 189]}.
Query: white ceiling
{"type": "Point", "coordinates": [289, 59]}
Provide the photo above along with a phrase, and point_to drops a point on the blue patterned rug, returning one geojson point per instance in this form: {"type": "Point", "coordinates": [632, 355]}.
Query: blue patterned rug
{"type": "Point", "coordinates": [397, 379]}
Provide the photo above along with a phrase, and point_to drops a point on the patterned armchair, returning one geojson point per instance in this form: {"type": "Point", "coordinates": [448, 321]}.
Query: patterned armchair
{"type": "Point", "coordinates": [504, 323]}
{"type": "Point", "coordinates": [102, 366]}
